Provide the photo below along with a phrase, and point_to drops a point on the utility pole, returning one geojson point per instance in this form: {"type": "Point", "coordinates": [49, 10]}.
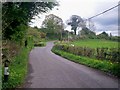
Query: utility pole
{"type": "Point", "coordinates": [68, 36]}
{"type": "Point", "coordinates": [61, 34]}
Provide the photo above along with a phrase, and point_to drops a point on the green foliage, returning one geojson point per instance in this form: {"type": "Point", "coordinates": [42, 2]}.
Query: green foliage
{"type": "Point", "coordinates": [18, 67]}
{"type": "Point", "coordinates": [18, 33]}
{"type": "Point", "coordinates": [67, 35]}
{"type": "Point", "coordinates": [108, 54]}
{"type": "Point", "coordinates": [35, 33]}
{"type": "Point", "coordinates": [38, 36]}
{"type": "Point", "coordinates": [103, 35]}
{"type": "Point", "coordinates": [86, 33]}
{"type": "Point", "coordinates": [106, 66]}
{"type": "Point", "coordinates": [111, 54]}
{"type": "Point", "coordinates": [49, 27]}
{"type": "Point", "coordinates": [16, 13]}
{"type": "Point", "coordinates": [15, 18]}
{"type": "Point", "coordinates": [115, 38]}
{"type": "Point", "coordinates": [52, 26]}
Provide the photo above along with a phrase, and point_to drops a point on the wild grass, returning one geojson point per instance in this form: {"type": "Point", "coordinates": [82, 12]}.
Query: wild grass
{"type": "Point", "coordinates": [18, 68]}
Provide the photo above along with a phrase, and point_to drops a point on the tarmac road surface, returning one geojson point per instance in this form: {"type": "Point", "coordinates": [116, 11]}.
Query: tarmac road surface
{"type": "Point", "coordinates": [48, 70]}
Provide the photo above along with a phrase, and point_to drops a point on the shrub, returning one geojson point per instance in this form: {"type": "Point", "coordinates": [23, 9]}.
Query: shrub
{"type": "Point", "coordinates": [111, 54]}
{"type": "Point", "coordinates": [106, 66]}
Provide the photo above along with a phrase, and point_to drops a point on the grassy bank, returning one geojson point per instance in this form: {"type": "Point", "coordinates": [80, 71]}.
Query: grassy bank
{"type": "Point", "coordinates": [106, 66]}
{"type": "Point", "coordinates": [18, 67]}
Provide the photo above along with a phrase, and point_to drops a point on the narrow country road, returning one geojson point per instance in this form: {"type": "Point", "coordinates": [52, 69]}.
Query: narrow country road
{"type": "Point", "coordinates": [47, 70]}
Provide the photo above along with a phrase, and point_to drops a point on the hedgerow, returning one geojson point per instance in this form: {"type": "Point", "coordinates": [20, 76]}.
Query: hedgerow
{"type": "Point", "coordinates": [112, 68]}
{"type": "Point", "coordinates": [111, 54]}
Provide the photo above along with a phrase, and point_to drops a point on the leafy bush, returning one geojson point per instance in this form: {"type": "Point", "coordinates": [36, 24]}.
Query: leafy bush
{"type": "Point", "coordinates": [103, 35]}
{"type": "Point", "coordinates": [19, 33]}
{"type": "Point", "coordinates": [86, 33]}
{"type": "Point", "coordinates": [106, 66]}
{"type": "Point", "coordinates": [98, 53]}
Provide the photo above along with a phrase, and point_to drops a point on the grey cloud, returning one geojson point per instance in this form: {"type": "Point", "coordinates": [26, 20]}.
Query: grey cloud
{"type": "Point", "coordinates": [110, 18]}
{"type": "Point", "coordinates": [108, 21]}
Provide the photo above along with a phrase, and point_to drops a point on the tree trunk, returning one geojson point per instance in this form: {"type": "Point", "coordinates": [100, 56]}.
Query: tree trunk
{"type": "Point", "coordinates": [75, 31]}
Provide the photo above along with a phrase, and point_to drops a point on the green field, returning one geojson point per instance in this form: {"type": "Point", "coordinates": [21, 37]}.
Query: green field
{"type": "Point", "coordinates": [93, 43]}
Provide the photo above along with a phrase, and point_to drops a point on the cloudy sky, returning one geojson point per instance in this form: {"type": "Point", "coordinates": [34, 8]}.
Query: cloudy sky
{"type": "Point", "coordinates": [86, 8]}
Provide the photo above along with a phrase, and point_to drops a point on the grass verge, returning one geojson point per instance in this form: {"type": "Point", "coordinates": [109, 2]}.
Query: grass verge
{"type": "Point", "coordinates": [18, 68]}
{"type": "Point", "coordinates": [103, 65]}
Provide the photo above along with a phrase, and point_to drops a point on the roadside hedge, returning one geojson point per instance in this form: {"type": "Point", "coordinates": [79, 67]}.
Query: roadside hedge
{"type": "Point", "coordinates": [112, 68]}
{"type": "Point", "coordinates": [111, 54]}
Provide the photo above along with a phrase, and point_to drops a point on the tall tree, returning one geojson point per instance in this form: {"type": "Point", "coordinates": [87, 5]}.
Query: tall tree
{"type": "Point", "coordinates": [75, 22]}
{"type": "Point", "coordinates": [53, 25]}
{"type": "Point", "coordinates": [15, 14]}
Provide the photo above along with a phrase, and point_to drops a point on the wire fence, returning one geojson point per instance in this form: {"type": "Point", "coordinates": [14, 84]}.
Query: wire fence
{"type": "Point", "coordinates": [106, 21]}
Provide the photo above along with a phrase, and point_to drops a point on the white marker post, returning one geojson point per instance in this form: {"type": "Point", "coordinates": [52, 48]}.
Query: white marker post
{"type": "Point", "coordinates": [6, 70]}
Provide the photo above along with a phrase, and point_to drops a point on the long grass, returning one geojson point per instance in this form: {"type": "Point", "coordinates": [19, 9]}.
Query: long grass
{"type": "Point", "coordinates": [18, 68]}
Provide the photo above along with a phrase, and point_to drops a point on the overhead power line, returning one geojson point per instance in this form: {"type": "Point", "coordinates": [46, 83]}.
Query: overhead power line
{"type": "Point", "coordinates": [103, 12]}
